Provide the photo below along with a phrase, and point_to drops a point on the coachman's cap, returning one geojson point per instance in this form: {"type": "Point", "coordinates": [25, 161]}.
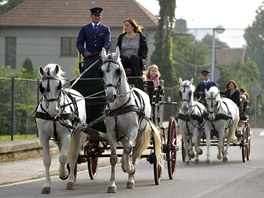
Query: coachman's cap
{"type": "Point", "coordinates": [96, 11]}
{"type": "Point", "coordinates": [205, 72]}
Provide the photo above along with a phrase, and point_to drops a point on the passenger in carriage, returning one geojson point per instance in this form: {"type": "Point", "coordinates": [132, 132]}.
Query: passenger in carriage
{"type": "Point", "coordinates": [232, 92]}
{"type": "Point", "coordinates": [153, 74]}
{"type": "Point", "coordinates": [244, 103]}
{"type": "Point", "coordinates": [90, 41]}
{"type": "Point", "coordinates": [133, 47]}
{"type": "Point", "coordinates": [206, 84]}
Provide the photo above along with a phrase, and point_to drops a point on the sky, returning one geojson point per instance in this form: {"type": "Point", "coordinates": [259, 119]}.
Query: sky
{"type": "Point", "coordinates": [204, 15]}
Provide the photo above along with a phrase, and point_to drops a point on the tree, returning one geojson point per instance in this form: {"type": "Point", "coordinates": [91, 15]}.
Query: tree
{"type": "Point", "coordinates": [28, 65]}
{"type": "Point", "coordinates": [162, 55]}
{"type": "Point", "coordinates": [4, 7]}
{"type": "Point", "coordinates": [189, 55]}
{"type": "Point", "coordinates": [208, 39]}
{"type": "Point", "coordinates": [254, 36]}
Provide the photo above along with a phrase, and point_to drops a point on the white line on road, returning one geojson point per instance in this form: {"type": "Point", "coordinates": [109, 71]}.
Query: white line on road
{"type": "Point", "coordinates": [262, 133]}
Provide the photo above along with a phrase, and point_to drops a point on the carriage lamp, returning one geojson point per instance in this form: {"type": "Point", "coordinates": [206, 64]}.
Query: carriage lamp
{"type": "Point", "coordinates": [219, 29]}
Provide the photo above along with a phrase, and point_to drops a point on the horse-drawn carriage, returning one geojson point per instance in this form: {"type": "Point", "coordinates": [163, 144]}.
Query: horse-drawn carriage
{"type": "Point", "coordinates": [216, 124]}
{"type": "Point", "coordinates": [121, 113]}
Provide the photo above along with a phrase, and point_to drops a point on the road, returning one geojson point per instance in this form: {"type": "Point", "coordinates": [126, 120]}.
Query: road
{"type": "Point", "coordinates": [232, 179]}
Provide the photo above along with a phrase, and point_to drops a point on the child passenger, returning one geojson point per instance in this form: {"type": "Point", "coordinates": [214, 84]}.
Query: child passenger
{"type": "Point", "coordinates": [153, 74]}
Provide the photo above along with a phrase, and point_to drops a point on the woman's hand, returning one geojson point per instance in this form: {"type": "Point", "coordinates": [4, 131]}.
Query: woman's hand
{"type": "Point", "coordinates": [144, 61]}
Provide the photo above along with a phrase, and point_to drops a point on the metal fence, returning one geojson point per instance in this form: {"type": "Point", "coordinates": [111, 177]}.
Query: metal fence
{"type": "Point", "coordinates": [18, 100]}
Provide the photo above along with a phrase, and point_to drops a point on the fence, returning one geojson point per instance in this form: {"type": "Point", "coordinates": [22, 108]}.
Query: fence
{"type": "Point", "coordinates": [18, 100]}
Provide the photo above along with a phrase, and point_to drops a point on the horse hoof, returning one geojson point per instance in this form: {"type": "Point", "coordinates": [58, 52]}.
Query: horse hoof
{"type": "Point", "coordinates": [208, 161]}
{"type": "Point", "coordinates": [225, 159]}
{"type": "Point", "coordinates": [219, 157]}
{"type": "Point", "coordinates": [187, 163]}
{"type": "Point", "coordinates": [70, 186]}
{"type": "Point", "coordinates": [63, 177]}
{"type": "Point", "coordinates": [111, 189]}
{"type": "Point", "coordinates": [45, 190]}
{"type": "Point", "coordinates": [130, 185]}
{"type": "Point", "coordinates": [196, 161]}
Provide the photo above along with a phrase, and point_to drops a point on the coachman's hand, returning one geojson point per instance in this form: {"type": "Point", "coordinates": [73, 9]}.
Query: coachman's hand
{"type": "Point", "coordinates": [87, 54]}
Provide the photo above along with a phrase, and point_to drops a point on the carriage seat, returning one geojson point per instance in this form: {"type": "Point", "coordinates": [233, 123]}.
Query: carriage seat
{"type": "Point", "coordinates": [129, 72]}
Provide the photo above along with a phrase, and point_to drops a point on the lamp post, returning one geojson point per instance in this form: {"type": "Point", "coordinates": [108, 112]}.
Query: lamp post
{"type": "Point", "coordinates": [219, 29]}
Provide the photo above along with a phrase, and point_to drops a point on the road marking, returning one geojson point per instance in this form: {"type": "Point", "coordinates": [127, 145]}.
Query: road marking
{"type": "Point", "coordinates": [262, 133]}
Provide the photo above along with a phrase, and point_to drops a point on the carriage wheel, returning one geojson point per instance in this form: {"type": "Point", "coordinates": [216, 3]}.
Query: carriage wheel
{"type": "Point", "coordinates": [157, 172]}
{"type": "Point", "coordinates": [92, 163]}
{"type": "Point", "coordinates": [157, 168]}
{"type": "Point", "coordinates": [171, 152]}
{"type": "Point", "coordinates": [243, 145]}
{"type": "Point", "coordinates": [183, 151]}
{"type": "Point", "coordinates": [248, 140]}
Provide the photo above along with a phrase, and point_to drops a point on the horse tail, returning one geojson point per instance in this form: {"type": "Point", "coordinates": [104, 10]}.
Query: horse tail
{"type": "Point", "coordinates": [157, 142]}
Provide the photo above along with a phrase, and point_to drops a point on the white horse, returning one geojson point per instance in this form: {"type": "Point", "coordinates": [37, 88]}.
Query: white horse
{"type": "Point", "coordinates": [127, 114]}
{"type": "Point", "coordinates": [190, 117]}
{"type": "Point", "coordinates": [223, 117]}
{"type": "Point", "coordinates": [58, 116]}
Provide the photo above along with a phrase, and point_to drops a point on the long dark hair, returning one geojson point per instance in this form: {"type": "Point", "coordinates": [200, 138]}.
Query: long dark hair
{"type": "Point", "coordinates": [136, 27]}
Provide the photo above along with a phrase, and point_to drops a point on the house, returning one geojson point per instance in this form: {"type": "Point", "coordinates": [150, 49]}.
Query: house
{"type": "Point", "coordinates": [46, 31]}
{"type": "Point", "coordinates": [228, 56]}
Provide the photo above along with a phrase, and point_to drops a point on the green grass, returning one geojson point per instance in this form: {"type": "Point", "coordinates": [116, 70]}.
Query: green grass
{"type": "Point", "coordinates": [7, 138]}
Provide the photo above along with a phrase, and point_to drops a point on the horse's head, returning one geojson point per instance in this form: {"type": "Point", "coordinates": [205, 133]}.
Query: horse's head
{"type": "Point", "coordinates": [50, 88]}
{"type": "Point", "coordinates": [112, 72]}
{"type": "Point", "coordinates": [186, 93]}
{"type": "Point", "coordinates": [213, 100]}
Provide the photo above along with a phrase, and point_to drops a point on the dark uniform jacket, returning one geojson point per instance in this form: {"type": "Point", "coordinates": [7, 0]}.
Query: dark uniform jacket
{"type": "Point", "coordinates": [143, 47]}
{"type": "Point", "coordinates": [94, 40]}
{"type": "Point", "coordinates": [235, 96]}
{"type": "Point", "coordinates": [200, 90]}
{"type": "Point", "coordinates": [91, 40]}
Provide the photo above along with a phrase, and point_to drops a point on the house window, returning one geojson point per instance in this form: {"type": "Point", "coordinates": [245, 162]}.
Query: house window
{"type": "Point", "coordinates": [68, 46]}
{"type": "Point", "coordinates": [10, 52]}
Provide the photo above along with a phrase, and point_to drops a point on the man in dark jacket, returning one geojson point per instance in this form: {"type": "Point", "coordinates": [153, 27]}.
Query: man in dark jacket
{"type": "Point", "coordinates": [90, 41]}
{"type": "Point", "coordinates": [206, 84]}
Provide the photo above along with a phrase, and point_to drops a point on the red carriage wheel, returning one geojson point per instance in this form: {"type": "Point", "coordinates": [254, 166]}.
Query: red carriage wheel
{"type": "Point", "coordinates": [171, 151]}
{"type": "Point", "coordinates": [248, 140]}
{"type": "Point", "coordinates": [92, 163]}
{"type": "Point", "coordinates": [244, 145]}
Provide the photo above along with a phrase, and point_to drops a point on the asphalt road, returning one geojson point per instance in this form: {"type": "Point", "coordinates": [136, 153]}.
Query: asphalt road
{"type": "Point", "coordinates": [232, 179]}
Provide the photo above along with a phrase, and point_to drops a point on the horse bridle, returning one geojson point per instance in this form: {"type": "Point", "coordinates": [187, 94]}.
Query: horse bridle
{"type": "Point", "coordinates": [189, 94]}
{"type": "Point", "coordinates": [48, 77]}
{"type": "Point", "coordinates": [217, 104]}
{"type": "Point", "coordinates": [110, 60]}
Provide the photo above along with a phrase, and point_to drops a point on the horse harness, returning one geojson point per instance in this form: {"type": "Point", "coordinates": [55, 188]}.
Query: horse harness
{"type": "Point", "coordinates": [125, 108]}
{"type": "Point", "coordinates": [73, 116]}
{"type": "Point", "coordinates": [220, 116]}
{"type": "Point", "coordinates": [191, 117]}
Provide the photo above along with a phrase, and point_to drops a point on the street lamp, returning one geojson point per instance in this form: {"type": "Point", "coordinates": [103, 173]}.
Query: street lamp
{"type": "Point", "coordinates": [219, 29]}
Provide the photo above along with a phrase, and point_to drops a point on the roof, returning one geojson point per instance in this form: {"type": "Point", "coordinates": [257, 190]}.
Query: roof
{"type": "Point", "coordinates": [74, 13]}
{"type": "Point", "coordinates": [228, 56]}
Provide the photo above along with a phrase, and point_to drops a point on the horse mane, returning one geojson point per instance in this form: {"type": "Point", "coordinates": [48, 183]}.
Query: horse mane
{"type": "Point", "coordinates": [52, 71]}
